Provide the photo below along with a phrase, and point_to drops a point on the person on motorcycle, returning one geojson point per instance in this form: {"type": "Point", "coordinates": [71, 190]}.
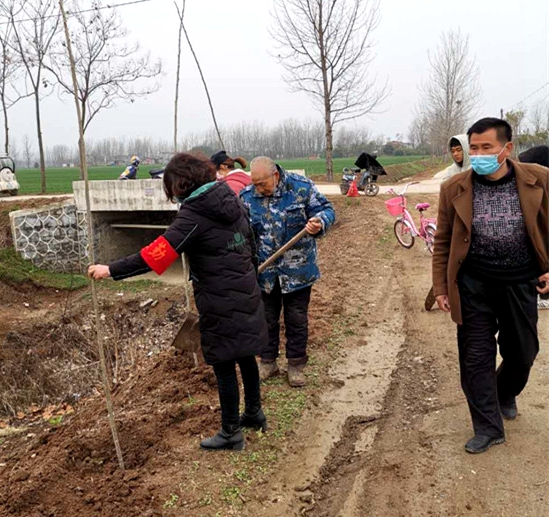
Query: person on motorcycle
{"type": "Point", "coordinates": [235, 178]}
{"type": "Point", "coordinates": [131, 170]}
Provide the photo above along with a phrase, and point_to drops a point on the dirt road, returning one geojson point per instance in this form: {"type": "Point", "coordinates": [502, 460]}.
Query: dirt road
{"type": "Point", "coordinates": [382, 431]}
{"type": "Point", "coordinates": [389, 440]}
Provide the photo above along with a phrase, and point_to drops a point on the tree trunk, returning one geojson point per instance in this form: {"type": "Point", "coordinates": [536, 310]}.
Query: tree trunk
{"type": "Point", "coordinates": [6, 128]}
{"type": "Point", "coordinates": [329, 147]}
{"type": "Point", "coordinates": [40, 145]}
{"type": "Point", "coordinates": [177, 76]}
{"type": "Point", "coordinates": [327, 103]}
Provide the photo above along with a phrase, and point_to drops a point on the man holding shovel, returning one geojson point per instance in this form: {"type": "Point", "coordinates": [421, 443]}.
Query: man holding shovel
{"type": "Point", "coordinates": [281, 204]}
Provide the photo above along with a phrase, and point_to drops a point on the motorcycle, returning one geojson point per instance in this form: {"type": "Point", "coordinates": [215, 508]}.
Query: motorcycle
{"type": "Point", "coordinates": [156, 174]}
{"type": "Point", "coordinates": [365, 173]}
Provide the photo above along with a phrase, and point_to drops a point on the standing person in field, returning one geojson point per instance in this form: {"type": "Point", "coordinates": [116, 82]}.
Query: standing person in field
{"type": "Point", "coordinates": [213, 229]}
{"type": "Point", "coordinates": [490, 262]}
{"type": "Point", "coordinates": [281, 204]}
{"type": "Point", "coordinates": [237, 179]}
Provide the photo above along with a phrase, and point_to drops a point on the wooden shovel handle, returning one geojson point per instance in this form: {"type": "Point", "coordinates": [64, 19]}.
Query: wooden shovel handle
{"type": "Point", "coordinates": [282, 250]}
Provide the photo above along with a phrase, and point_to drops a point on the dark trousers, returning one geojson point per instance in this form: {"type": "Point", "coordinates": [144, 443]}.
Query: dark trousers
{"type": "Point", "coordinates": [296, 307]}
{"type": "Point", "coordinates": [229, 394]}
{"type": "Point", "coordinates": [489, 307]}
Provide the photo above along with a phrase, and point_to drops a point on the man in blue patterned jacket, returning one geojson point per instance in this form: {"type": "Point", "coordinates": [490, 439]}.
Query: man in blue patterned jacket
{"type": "Point", "coordinates": [281, 204]}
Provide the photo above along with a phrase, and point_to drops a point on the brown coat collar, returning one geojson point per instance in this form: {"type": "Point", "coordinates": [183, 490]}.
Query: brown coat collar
{"type": "Point", "coordinates": [530, 196]}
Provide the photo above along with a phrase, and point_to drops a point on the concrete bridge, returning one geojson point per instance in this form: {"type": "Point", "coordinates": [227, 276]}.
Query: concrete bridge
{"type": "Point", "coordinates": [126, 215]}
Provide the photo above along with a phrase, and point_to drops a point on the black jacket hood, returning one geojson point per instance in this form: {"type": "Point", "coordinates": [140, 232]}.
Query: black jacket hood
{"type": "Point", "coordinates": [218, 202]}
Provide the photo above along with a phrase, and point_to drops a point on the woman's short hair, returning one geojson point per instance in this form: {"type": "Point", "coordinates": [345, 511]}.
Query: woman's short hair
{"type": "Point", "coordinates": [185, 173]}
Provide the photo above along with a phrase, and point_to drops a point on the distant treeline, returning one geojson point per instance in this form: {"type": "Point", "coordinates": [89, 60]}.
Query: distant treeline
{"type": "Point", "coordinates": [287, 140]}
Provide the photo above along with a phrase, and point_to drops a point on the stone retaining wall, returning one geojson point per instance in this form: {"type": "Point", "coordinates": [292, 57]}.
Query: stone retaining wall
{"type": "Point", "coordinates": [52, 238]}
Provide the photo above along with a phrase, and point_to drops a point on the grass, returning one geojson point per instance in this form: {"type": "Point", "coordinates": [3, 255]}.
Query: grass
{"type": "Point", "coordinates": [59, 179]}
{"type": "Point", "coordinates": [15, 270]}
{"type": "Point", "coordinates": [285, 406]}
{"type": "Point", "coordinates": [317, 167]}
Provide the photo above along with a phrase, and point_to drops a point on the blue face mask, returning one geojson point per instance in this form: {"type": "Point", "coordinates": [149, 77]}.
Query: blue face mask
{"type": "Point", "coordinates": [486, 164]}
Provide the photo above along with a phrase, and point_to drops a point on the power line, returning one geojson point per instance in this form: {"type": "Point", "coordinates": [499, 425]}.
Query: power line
{"type": "Point", "coordinates": [70, 13]}
{"type": "Point", "coordinates": [529, 96]}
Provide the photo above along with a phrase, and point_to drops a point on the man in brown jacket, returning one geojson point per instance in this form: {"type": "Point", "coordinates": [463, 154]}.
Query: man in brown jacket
{"type": "Point", "coordinates": [490, 261]}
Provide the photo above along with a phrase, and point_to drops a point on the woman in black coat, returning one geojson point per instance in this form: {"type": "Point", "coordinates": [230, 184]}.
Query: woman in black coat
{"type": "Point", "coordinates": [212, 228]}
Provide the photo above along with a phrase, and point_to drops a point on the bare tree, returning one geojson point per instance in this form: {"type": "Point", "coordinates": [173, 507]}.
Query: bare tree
{"type": "Point", "coordinates": [35, 24]}
{"type": "Point", "coordinates": [27, 150]}
{"type": "Point", "coordinates": [108, 69]}
{"type": "Point", "coordinates": [180, 13]}
{"type": "Point", "coordinates": [537, 117]}
{"type": "Point", "coordinates": [419, 134]}
{"type": "Point", "coordinates": [9, 70]}
{"type": "Point", "coordinates": [14, 152]}
{"type": "Point", "coordinates": [325, 47]}
{"type": "Point", "coordinates": [452, 94]}
{"type": "Point", "coordinates": [516, 119]}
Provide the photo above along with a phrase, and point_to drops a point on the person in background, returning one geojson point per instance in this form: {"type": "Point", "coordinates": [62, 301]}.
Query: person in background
{"type": "Point", "coordinates": [213, 229]}
{"type": "Point", "coordinates": [281, 204]}
{"type": "Point", "coordinates": [237, 179]}
{"type": "Point", "coordinates": [131, 170]}
{"type": "Point", "coordinates": [489, 263]}
{"type": "Point", "coordinates": [458, 147]}
{"type": "Point", "coordinates": [538, 154]}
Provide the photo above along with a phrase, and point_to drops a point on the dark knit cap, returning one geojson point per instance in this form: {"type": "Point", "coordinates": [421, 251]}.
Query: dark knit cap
{"type": "Point", "coordinates": [538, 154]}
{"type": "Point", "coordinates": [219, 158]}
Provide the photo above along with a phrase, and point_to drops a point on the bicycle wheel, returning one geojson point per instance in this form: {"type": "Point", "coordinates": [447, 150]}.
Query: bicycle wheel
{"type": "Point", "coordinates": [371, 189]}
{"type": "Point", "coordinates": [430, 230]}
{"type": "Point", "coordinates": [403, 233]}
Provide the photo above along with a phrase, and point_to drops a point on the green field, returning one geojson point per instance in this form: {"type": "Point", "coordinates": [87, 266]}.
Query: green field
{"type": "Point", "coordinates": [59, 180]}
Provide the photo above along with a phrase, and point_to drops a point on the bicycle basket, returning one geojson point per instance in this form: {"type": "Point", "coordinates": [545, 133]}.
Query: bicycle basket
{"type": "Point", "coordinates": [395, 205]}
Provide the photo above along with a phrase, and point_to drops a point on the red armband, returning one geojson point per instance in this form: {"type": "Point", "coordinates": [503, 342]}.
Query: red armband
{"type": "Point", "coordinates": [158, 255]}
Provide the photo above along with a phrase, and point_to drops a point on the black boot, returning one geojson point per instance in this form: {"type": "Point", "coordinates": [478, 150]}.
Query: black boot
{"type": "Point", "coordinates": [229, 438]}
{"type": "Point", "coordinates": [255, 420]}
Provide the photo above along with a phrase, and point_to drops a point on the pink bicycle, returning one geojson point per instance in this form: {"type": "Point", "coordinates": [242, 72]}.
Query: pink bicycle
{"type": "Point", "coordinates": [405, 228]}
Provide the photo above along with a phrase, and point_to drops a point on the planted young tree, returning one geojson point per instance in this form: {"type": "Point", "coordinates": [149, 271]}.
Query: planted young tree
{"type": "Point", "coordinates": [452, 93]}
{"type": "Point", "coordinates": [108, 68]}
{"type": "Point", "coordinates": [180, 13]}
{"type": "Point", "coordinates": [182, 28]}
{"type": "Point", "coordinates": [325, 47]}
{"type": "Point", "coordinates": [35, 24]}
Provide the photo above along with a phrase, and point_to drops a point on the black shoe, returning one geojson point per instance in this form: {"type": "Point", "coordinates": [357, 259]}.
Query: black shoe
{"type": "Point", "coordinates": [481, 443]}
{"type": "Point", "coordinates": [231, 440]}
{"type": "Point", "coordinates": [256, 420]}
{"type": "Point", "coordinates": [509, 411]}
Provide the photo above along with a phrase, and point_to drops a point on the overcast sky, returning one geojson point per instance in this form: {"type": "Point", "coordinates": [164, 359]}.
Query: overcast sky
{"type": "Point", "coordinates": [510, 41]}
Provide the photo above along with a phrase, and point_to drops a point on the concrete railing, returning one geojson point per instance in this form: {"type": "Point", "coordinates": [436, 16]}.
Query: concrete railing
{"type": "Point", "coordinates": [123, 196]}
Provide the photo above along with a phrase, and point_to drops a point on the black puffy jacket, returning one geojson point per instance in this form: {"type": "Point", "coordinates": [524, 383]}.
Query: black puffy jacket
{"type": "Point", "coordinates": [212, 228]}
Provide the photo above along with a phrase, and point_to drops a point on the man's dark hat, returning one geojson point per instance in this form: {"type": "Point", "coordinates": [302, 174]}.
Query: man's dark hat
{"type": "Point", "coordinates": [219, 158]}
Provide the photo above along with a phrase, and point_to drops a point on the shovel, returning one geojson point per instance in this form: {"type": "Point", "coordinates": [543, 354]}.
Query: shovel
{"type": "Point", "coordinates": [188, 337]}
